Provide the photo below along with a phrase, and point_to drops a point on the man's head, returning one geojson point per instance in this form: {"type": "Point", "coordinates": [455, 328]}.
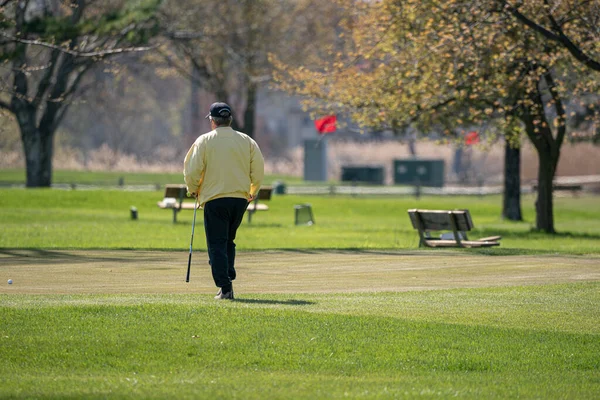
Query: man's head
{"type": "Point", "coordinates": [220, 114]}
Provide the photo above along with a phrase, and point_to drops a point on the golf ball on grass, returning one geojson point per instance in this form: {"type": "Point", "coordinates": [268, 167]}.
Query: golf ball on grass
{"type": "Point", "coordinates": [10, 281]}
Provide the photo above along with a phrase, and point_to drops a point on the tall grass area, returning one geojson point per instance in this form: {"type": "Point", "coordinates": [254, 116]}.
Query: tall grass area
{"type": "Point", "coordinates": [54, 219]}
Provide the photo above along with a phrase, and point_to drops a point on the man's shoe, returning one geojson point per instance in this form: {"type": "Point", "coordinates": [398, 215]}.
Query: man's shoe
{"type": "Point", "coordinates": [224, 296]}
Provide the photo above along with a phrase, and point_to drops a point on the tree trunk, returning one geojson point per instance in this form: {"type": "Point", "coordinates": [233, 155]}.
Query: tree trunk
{"type": "Point", "coordinates": [38, 149]}
{"type": "Point", "coordinates": [544, 203]}
{"type": "Point", "coordinates": [539, 131]}
{"type": "Point", "coordinates": [511, 209]}
{"type": "Point", "coordinates": [548, 152]}
{"type": "Point", "coordinates": [223, 95]}
{"type": "Point", "coordinates": [195, 116]}
{"type": "Point", "coordinates": [412, 145]}
{"type": "Point", "coordinates": [249, 113]}
{"type": "Point", "coordinates": [37, 145]}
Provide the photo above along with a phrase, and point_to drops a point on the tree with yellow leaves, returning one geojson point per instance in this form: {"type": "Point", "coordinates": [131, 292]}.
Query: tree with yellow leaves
{"type": "Point", "coordinates": [445, 64]}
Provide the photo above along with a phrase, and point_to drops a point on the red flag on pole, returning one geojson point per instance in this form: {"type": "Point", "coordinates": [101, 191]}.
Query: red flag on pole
{"type": "Point", "coordinates": [471, 138]}
{"type": "Point", "coordinates": [326, 124]}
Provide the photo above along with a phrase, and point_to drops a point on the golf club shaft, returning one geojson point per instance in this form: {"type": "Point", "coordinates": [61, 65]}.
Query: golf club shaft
{"type": "Point", "coordinates": [187, 277]}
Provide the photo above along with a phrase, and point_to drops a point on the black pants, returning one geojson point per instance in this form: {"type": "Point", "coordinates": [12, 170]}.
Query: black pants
{"type": "Point", "coordinates": [222, 217]}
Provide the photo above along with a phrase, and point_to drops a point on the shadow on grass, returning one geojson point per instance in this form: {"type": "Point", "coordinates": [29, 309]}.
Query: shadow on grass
{"type": "Point", "coordinates": [148, 258]}
{"type": "Point", "coordinates": [423, 251]}
{"type": "Point", "coordinates": [290, 302]}
{"type": "Point", "coordinates": [533, 233]}
{"type": "Point", "coordinates": [257, 225]}
{"type": "Point", "coordinates": [245, 223]}
{"type": "Point", "coordinates": [304, 251]}
{"type": "Point", "coordinates": [35, 256]}
{"type": "Point", "coordinates": [443, 252]}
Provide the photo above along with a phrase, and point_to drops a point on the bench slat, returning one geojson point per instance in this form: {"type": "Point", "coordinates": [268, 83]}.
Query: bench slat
{"type": "Point", "coordinates": [265, 193]}
{"type": "Point", "coordinates": [464, 243]}
{"type": "Point", "coordinates": [257, 207]}
{"type": "Point", "coordinates": [175, 191]}
{"type": "Point", "coordinates": [184, 206]}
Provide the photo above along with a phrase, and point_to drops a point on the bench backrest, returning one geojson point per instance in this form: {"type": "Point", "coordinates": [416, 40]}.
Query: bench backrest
{"type": "Point", "coordinates": [180, 192]}
{"type": "Point", "coordinates": [265, 193]}
{"type": "Point", "coordinates": [440, 220]}
{"type": "Point", "coordinates": [175, 191]}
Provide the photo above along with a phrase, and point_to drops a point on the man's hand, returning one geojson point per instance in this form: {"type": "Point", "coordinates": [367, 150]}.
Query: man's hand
{"type": "Point", "coordinates": [251, 198]}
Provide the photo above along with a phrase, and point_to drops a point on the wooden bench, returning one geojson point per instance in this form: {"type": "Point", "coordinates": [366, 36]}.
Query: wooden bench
{"type": "Point", "coordinates": [459, 222]}
{"type": "Point", "coordinates": [175, 198]}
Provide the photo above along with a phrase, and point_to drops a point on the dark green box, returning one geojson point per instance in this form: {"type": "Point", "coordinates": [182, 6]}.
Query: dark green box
{"type": "Point", "coordinates": [363, 174]}
{"type": "Point", "coordinates": [419, 172]}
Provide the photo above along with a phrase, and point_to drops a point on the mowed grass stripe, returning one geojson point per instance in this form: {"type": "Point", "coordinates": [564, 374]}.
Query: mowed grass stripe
{"type": "Point", "coordinates": [564, 307]}
{"type": "Point", "coordinates": [186, 343]}
{"type": "Point", "coordinates": [248, 384]}
{"type": "Point", "coordinates": [140, 339]}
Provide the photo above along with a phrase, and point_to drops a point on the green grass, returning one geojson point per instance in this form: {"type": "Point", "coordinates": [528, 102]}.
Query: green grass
{"type": "Point", "coordinates": [460, 343]}
{"type": "Point", "coordinates": [44, 218]}
{"type": "Point", "coordinates": [534, 341]}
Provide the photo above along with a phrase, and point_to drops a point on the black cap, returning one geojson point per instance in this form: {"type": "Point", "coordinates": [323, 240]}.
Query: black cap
{"type": "Point", "coordinates": [219, 110]}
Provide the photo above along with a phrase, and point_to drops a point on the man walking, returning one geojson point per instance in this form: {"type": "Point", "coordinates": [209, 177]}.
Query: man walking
{"type": "Point", "coordinates": [224, 170]}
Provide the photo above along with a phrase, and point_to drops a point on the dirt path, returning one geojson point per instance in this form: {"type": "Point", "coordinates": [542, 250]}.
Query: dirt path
{"type": "Point", "coordinates": [128, 271]}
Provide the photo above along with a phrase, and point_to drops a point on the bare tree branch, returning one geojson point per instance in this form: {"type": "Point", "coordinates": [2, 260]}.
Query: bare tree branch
{"type": "Point", "coordinates": [559, 36]}
{"type": "Point", "coordinates": [185, 35]}
{"type": "Point", "coordinates": [572, 47]}
{"type": "Point", "coordinates": [100, 53]}
{"type": "Point", "coordinates": [75, 84]}
{"type": "Point", "coordinates": [45, 82]}
{"type": "Point", "coordinates": [533, 25]}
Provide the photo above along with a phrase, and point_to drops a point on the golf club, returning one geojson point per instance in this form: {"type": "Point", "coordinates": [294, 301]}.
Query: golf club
{"type": "Point", "coordinates": [187, 277]}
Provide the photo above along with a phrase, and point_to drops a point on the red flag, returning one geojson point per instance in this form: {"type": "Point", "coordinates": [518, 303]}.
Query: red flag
{"type": "Point", "coordinates": [471, 138]}
{"type": "Point", "coordinates": [326, 124]}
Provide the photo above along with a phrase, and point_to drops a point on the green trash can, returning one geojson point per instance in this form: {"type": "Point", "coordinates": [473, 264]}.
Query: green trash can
{"type": "Point", "coordinates": [278, 187]}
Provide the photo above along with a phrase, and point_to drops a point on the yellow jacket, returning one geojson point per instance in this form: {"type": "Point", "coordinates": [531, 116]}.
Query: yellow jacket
{"type": "Point", "coordinates": [223, 163]}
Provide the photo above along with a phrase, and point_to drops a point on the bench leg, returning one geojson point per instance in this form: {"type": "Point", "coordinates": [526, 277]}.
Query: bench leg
{"type": "Point", "coordinates": [250, 212]}
{"type": "Point", "coordinates": [422, 232]}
